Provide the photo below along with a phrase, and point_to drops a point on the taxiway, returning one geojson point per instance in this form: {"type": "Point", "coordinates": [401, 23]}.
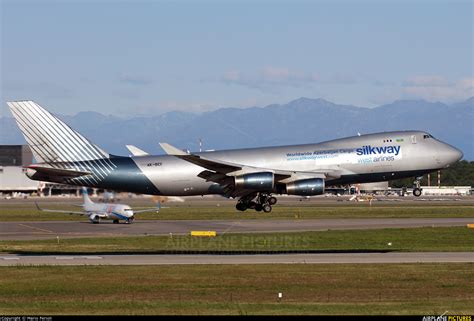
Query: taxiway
{"type": "Point", "coordinates": [71, 229]}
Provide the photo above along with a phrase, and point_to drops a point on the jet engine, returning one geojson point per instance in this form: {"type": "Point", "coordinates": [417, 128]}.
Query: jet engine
{"type": "Point", "coordinates": [306, 187]}
{"type": "Point", "coordinates": [263, 181]}
{"type": "Point", "coordinates": [94, 218]}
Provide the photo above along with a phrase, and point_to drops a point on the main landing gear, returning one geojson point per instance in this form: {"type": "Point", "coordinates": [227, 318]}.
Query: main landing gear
{"type": "Point", "coordinates": [259, 202]}
{"type": "Point", "coordinates": [416, 187]}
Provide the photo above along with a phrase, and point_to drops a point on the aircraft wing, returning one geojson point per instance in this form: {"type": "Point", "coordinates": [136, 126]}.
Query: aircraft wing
{"type": "Point", "coordinates": [217, 166]}
{"type": "Point", "coordinates": [156, 209]}
{"type": "Point", "coordinates": [222, 172]}
{"type": "Point", "coordinates": [59, 211]}
{"type": "Point", "coordinates": [151, 209]}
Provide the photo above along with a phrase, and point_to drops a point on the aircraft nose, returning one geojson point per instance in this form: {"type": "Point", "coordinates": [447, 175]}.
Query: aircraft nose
{"type": "Point", "coordinates": [451, 155]}
{"type": "Point", "coordinates": [457, 154]}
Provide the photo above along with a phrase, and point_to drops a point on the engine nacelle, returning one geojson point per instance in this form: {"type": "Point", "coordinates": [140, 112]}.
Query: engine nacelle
{"type": "Point", "coordinates": [94, 218]}
{"type": "Point", "coordinates": [263, 181]}
{"type": "Point", "coordinates": [306, 187]}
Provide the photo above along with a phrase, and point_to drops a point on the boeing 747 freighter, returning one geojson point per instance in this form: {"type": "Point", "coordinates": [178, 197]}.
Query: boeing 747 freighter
{"type": "Point", "coordinates": [252, 175]}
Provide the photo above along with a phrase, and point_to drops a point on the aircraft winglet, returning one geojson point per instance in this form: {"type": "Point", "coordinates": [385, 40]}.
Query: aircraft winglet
{"type": "Point", "coordinates": [171, 150]}
{"type": "Point", "coordinates": [136, 151]}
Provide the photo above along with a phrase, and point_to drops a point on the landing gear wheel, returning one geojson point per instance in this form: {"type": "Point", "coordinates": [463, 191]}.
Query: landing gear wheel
{"type": "Point", "coordinates": [240, 207]}
{"type": "Point", "coordinates": [417, 192]}
{"type": "Point", "coordinates": [116, 221]}
{"type": "Point", "coordinates": [256, 201]}
{"type": "Point", "coordinates": [272, 200]}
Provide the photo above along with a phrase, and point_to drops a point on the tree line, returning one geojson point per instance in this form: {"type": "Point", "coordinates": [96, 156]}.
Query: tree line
{"type": "Point", "coordinates": [459, 174]}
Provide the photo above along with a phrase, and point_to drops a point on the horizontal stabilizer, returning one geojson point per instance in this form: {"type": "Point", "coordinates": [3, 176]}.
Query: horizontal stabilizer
{"type": "Point", "coordinates": [50, 171]}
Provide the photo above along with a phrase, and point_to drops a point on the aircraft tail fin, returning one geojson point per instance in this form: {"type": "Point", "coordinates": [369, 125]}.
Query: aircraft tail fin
{"type": "Point", "coordinates": [85, 195]}
{"type": "Point", "coordinates": [49, 138]}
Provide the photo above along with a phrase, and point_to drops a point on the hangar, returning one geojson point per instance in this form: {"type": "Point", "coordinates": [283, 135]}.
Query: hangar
{"type": "Point", "coordinates": [12, 173]}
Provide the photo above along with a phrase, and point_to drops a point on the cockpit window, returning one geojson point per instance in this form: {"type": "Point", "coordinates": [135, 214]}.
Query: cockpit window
{"type": "Point", "coordinates": [127, 209]}
{"type": "Point", "coordinates": [426, 136]}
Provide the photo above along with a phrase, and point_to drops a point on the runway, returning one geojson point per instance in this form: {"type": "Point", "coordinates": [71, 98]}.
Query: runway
{"type": "Point", "coordinates": [72, 229]}
{"type": "Point", "coordinates": [325, 258]}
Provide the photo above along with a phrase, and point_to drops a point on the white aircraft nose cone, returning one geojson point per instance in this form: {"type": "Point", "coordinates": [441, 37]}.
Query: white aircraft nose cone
{"type": "Point", "coordinates": [452, 155]}
{"type": "Point", "coordinates": [457, 154]}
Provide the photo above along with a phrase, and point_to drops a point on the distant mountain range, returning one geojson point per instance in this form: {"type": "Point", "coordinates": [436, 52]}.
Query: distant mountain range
{"type": "Point", "coordinates": [298, 122]}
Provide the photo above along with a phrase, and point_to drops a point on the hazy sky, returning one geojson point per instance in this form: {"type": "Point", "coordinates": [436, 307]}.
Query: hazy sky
{"type": "Point", "coordinates": [149, 57]}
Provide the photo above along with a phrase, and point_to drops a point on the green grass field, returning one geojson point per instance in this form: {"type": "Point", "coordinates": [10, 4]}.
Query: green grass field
{"type": "Point", "coordinates": [412, 239]}
{"type": "Point", "coordinates": [28, 212]}
{"type": "Point", "coordinates": [425, 289]}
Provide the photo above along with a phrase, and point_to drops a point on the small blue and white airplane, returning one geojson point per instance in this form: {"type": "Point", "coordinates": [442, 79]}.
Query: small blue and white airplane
{"type": "Point", "coordinates": [107, 211]}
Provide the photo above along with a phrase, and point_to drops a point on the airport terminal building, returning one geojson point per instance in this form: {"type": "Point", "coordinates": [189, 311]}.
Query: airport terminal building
{"type": "Point", "coordinates": [12, 173]}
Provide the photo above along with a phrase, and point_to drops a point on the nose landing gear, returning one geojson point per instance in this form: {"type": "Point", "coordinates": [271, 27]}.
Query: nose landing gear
{"type": "Point", "coordinates": [259, 202]}
{"type": "Point", "coordinates": [416, 187]}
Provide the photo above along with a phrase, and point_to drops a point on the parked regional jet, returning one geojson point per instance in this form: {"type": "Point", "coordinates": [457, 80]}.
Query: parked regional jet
{"type": "Point", "coordinates": [252, 175]}
{"type": "Point", "coordinates": [107, 211]}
